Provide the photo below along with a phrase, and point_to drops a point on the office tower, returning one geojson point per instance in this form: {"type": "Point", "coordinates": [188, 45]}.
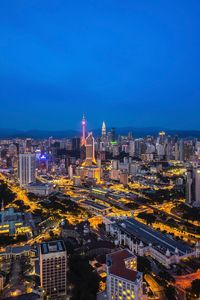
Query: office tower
{"type": "Point", "coordinates": [124, 178]}
{"type": "Point", "coordinates": [176, 151]}
{"type": "Point", "coordinates": [103, 130]}
{"type": "Point", "coordinates": [132, 148]}
{"type": "Point", "coordinates": [162, 137]}
{"type": "Point", "coordinates": [76, 142]}
{"type": "Point", "coordinates": [115, 150]}
{"type": "Point", "coordinates": [130, 136]}
{"type": "Point", "coordinates": [115, 164]}
{"type": "Point", "coordinates": [26, 168]}
{"type": "Point", "coordinates": [124, 282]}
{"type": "Point", "coordinates": [90, 151]}
{"type": "Point", "coordinates": [189, 193]}
{"type": "Point", "coordinates": [28, 145]}
{"type": "Point", "coordinates": [83, 123]}
{"type": "Point", "coordinates": [181, 150]}
{"type": "Point", "coordinates": [193, 187]}
{"type": "Point", "coordinates": [197, 188]}
{"type": "Point", "coordinates": [53, 269]}
{"type": "Point", "coordinates": [113, 135]}
{"type": "Point", "coordinates": [169, 151]}
{"type": "Point", "coordinates": [140, 147]}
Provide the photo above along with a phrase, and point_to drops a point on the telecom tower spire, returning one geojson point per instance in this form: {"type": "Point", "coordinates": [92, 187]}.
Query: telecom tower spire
{"type": "Point", "coordinates": [83, 124]}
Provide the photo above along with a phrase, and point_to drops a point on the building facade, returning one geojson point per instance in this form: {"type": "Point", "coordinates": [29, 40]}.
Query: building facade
{"type": "Point", "coordinates": [26, 168]}
{"type": "Point", "coordinates": [124, 282]}
{"type": "Point", "coordinates": [53, 269]}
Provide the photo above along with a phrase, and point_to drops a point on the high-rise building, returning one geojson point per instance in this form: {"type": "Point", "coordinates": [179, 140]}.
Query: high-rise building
{"type": "Point", "coordinates": [90, 150]}
{"type": "Point", "coordinates": [197, 187]}
{"type": "Point", "coordinates": [181, 150]}
{"type": "Point", "coordinates": [124, 282]}
{"type": "Point", "coordinates": [76, 144]}
{"type": "Point", "coordinates": [132, 148]}
{"type": "Point", "coordinates": [26, 168]}
{"type": "Point", "coordinates": [193, 187]}
{"type": "Point", "coordinates": [103, 130]}
{"type": "Point", "coordinates": [189, 193]}
{"type": "Point", "coordinates": [83, 138]}
{"type": "Point", "coordinates": [113, 135]}
{"type": "Point", "coordinates": [124, 178]}
{"type": "Point", "coordinates": [53, 269]}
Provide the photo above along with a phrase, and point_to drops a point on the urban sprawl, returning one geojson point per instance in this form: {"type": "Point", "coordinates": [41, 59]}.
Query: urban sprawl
{"type": "Point", "coordinates": [100, 217]}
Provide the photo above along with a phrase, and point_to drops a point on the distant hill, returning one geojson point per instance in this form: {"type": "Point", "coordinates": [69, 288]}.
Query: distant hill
{"type": "Point", "coordinates": [137, 132]}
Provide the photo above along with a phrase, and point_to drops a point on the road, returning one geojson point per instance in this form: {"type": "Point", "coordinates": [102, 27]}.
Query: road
{"type": "Point", "coordinates": [156, 289]}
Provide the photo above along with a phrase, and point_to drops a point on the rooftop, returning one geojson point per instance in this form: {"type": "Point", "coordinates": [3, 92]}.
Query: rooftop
{"type": "Point", "coordinates": [118, 267]}
{"type": "Point", "coordinates": [30, 296]}
{"type": "Point", "coordinates": [149, 235]}
{"type": "Point", "coordinates": [52, 247]}
{"type": "Point", "coordinates": [95, 205]}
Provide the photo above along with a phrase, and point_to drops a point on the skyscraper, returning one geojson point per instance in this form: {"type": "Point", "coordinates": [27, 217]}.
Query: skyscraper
{"type": "Point", "coordinates": [90, 151]}
{"type": "Point", "coordinates": [53, 269]}
{"type": "Point", "coordinates": [76, 144]}
{"type": "Point", "coordinates": [189, 193]}
{"type": "Point", "coordinates": [193, 187]}
{"type": "Point", "coordinates": [26, 168]}
{"type": "Point", "coordinates": [83, 123]}
{"type": "Point", "coordinates": [103, 130]}
{"type": "Point", "coordinates": [181, 150]}
{"type": "Point", "coordinates": [197, 187]}
{"type": "Point", "coordinates": [113, 135]}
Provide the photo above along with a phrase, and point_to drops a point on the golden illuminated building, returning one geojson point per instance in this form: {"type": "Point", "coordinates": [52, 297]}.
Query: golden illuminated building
{"type": "Point", "coordinates": [90, 151]}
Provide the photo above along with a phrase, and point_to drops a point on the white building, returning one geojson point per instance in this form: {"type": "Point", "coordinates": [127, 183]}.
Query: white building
{"type": "Point", "coordinates": [53, 269]}
{"type": "Point", "coordinates": [132, 148]}
{"type": "Point", "coordinates": [124, 282]}
{"type": "Point", "coordinates": [144, 241]}
{"type": "Point", "coordinates": [40, 189]}
{"type": "Point", "coordinates": [197, 188]}
{"type": "Point", "coordinates": [26, 168]}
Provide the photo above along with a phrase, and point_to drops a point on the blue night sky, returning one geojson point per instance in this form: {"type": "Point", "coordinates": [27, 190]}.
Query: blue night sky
{"type": "Point", "coordinates": [128, 62]}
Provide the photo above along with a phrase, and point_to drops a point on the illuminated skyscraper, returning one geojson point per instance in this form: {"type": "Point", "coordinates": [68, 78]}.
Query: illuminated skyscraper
{"type": "Point", "coordinates": [189, 181]}
{"type": "Point", "coordinates": [90, 151]}
{"type": "Point", "coordinates": [83, 139]}
{"type": "Point", "coordinates": [103, 130]}
{"type": "Point", "coordinates": [193, 187]}
{"type": "Point", "coordinates": [197, 187]}
{"type": "Point", "coordinates": [26, 168]}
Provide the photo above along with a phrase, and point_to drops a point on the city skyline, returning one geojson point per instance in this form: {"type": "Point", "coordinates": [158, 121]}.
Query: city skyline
{"type": "Point", "coordinates": [137, 62]}
{"type": "Point", "coordinates": [99, 150]}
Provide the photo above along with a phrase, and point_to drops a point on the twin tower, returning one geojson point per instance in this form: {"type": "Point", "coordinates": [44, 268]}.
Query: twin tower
{"type": "Point", "coordinates": [89, 141]}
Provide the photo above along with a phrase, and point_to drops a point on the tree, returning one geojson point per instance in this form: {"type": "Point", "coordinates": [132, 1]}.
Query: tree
{"type": "Point", "coordinates": [149, 218]}
{"type": "Point", "coordinates": [82, 277]}
{"type": "Point", "coordinates": [166, 276]}
{"type": "Point", "coordinates": [143, 264]}
{"type": "Point", "coordinates": [196, 287]}
{"type": "Point", "coordinates": [170, 292]}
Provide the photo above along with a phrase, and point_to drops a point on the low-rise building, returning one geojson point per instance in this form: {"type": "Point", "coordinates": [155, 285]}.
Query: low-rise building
{"type": "Point", "coordinates": [143, 240]}
{"type": "Point", "coordinates": [40, 189]}
{"type": "Point", "coordinates": [13, 223]}
{"type": "Point", "coordinates": [124, 282]}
